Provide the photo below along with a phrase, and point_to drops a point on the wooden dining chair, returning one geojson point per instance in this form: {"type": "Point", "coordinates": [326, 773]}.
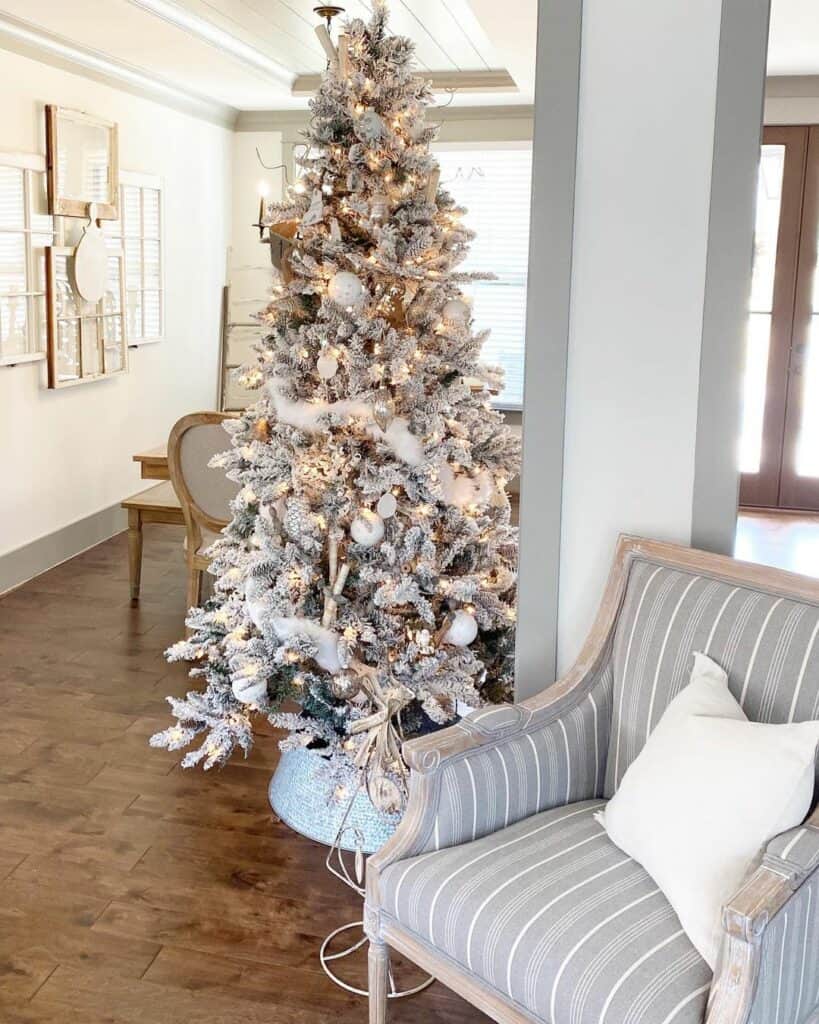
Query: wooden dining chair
{"type": "Point", "coordinates": [204, 493]}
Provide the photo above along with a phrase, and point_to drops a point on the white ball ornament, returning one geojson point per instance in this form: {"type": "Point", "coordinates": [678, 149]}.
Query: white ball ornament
{"type": "Point", "coordinates": [462, 630]}
{"type": "Point", "coordinates": [327, 366]}
{"type": "Point", "coordinates": [345, 288]}
{"type": "Point", "coordinates": [456, 310]}
{"type": "Point", "coordinates": [249, 690]}
{"type": "Point", "coordinates": [367, 528]}
{"type": "Point", "coordinates": [387, 505]}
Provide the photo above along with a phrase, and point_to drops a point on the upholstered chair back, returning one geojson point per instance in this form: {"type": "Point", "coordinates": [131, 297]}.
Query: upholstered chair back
{"type": "Point", "coordinates": [767, 641]}
{"type": "Point", "coordinates": [205, 493]}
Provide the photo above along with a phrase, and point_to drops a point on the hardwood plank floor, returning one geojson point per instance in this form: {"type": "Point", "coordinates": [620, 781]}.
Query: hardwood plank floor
{"type": "Point", "coordinates": [785, 540]}
{"type": "Point", "coordinates": [132, 892]}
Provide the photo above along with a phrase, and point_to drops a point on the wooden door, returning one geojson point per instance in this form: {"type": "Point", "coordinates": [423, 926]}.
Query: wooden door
{"type": "Point", "coordinates": [779, 450]}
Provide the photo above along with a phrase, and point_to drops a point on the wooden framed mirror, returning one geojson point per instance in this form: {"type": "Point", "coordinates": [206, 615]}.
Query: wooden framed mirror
{"type": "Point", "coordinates": [86, 341]}
{"type": "Point", "coordinates": [82, 163]}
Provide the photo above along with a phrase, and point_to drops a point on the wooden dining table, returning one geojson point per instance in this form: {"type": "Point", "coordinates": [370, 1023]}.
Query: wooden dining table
{"type": "Point", "coordinates": [156, 504]}
{"type": "Point", "coordinates": [153, 463]}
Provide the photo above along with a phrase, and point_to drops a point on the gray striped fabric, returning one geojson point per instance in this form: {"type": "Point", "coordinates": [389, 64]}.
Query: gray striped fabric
{"type": "Point", "coordinates": [556, 918]}
{"type": "Point", "coordinates": [795, 853]}
{"type": "Point", "coordinates": [557, 759]}
{"type": "Point", "coordinates": [768, 645]}
{"type": "Point", "coordinates": [788, 989]}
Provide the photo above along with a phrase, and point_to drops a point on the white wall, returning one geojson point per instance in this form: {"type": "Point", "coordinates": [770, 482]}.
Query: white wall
{"type": "Point", "coordinates": [647, 106]}
{"type": "Point", "coordinates": [249, 270]}
{"type": "Point", "coordinates": [67, 454]}
{"type": "Point", "coordinates": [250, 178]}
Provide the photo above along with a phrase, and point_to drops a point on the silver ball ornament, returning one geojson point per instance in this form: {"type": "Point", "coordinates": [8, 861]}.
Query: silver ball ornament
{"type": "Point", "coordinates": [371, 124]}
{"type": "Point", "coordinates": [456, 310]}
{"type": "Point", "coordinates": [344, 686]}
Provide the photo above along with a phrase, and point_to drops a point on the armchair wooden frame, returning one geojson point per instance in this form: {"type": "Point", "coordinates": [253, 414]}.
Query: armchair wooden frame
{"type": "Point", "coordinates": [746, 916]}
{"type": "Point", "coordinates": [196, 519]}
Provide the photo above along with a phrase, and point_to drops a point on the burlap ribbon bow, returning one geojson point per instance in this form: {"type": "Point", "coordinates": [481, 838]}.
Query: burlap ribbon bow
{"type": "Point", "coordinates": [379, 756]}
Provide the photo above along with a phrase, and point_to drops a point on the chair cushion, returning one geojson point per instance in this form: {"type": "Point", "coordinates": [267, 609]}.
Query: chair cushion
{"type": "Point", "coordinates": [551, 914]}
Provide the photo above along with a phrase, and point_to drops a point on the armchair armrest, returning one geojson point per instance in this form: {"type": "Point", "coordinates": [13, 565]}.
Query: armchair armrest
{"type": "Point", "coordinates": [795, 854]}
{"type": "Point", "coordinates": [500, 765]}
{"type": "Point", "coordinates": [787, 879]}
{"type": "Point", "coordinates": [506, 763]}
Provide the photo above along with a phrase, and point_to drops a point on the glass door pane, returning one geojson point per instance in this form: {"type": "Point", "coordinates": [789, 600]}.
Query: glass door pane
{"type": "Point", "coordinates": [766, 237]}
{"type": "Point", "coordinates": [799, 485]}
{"type": "Point", "coordinates": [780, 190]}
{"type": "Point", "coordinates": [807, 445]}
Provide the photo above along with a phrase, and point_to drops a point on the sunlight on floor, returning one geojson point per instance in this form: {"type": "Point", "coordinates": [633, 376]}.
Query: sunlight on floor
{"type": "Point", "coordinates": [785, 540]}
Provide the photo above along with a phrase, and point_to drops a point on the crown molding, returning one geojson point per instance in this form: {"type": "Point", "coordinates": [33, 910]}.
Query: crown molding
{"type": "Point", "coordinates": [791, 86]}
{"type": "Point", "coordinates": [28, 40]}
{"type": "Point", "coordinates": [278, 120]}
{"type": "Point", "coordinates": [441, 81]}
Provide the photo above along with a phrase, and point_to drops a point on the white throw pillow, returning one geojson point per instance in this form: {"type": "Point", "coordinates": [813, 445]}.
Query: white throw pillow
{"type": "Point", "coordinates": [708, 791]}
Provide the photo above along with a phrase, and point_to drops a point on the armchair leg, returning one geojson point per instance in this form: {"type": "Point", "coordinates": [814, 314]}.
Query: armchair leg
{"type": "Point", "coordinates": [378, 960]}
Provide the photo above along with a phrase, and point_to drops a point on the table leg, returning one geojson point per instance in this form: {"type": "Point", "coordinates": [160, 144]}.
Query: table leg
{"type": "Point", "coordinates": [135, 550]}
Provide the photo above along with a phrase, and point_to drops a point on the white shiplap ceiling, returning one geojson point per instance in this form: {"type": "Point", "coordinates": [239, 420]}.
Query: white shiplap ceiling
{"type": "Point", "coordinates": [246, 53]}
{"type": "Point", "coordinates": [793, 46]}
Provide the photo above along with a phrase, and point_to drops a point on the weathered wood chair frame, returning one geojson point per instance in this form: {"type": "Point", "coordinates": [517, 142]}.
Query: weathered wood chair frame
{"type": "Point", "coordinates": [746, 916]}
{"type": "Point", "coordinates": [196, 518]}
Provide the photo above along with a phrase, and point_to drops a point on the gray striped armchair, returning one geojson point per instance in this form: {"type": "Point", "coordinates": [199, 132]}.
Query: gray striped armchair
{"type": "Point", "coordinates": [501, 884]}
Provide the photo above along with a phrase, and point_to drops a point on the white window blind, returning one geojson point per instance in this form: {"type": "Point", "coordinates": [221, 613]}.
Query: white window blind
{"type": "Point", "coordinates": [495, 186]}
{"type": "Point", "coordinates": [25, 230]}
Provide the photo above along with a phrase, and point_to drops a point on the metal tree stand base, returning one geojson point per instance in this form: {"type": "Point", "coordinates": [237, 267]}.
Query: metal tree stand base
{"type": "Point", "coordinates": [350, 837]}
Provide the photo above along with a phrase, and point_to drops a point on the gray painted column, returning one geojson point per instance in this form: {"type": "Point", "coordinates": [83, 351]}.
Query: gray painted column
{"type": "Point", "coordinates": [737, 135]}
{"type": "Point", "coordinates": [547, 339]}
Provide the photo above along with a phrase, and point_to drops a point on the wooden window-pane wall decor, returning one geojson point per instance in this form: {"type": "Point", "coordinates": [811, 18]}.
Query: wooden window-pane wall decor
{"type": "Point", "coordinates": [25, 230]}
{"type": "Point", "coordinates": [139, 232]}
{"type": "Point", "coordinates": [779, 445]}
{"type": "Point", "coordinates": [82, 163]}
{"type": "Point", "coordinates": [86, 341]}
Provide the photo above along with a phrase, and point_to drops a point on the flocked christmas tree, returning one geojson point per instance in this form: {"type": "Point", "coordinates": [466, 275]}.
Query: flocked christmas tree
{"type": "Point", "coordinates": [368, 574]}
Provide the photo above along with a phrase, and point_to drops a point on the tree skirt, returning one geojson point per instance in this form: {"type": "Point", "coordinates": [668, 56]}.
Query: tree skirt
{"type": "Point", "coordinates": [303, 796]}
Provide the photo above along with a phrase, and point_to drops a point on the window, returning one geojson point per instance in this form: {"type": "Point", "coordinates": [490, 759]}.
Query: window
{"type": "Point", "coordinates": [495, 186]}
{"type": "Point", "coordinates": [25, 231]}
{"type": "Point", "coordinates": [139, 233]}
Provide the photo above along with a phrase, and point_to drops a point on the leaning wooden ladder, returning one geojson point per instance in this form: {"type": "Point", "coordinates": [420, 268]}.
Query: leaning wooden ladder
{"type": "Point", "coordinates": [239, 333]}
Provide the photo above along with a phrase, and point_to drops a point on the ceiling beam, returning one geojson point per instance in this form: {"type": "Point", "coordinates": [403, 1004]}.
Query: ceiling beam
{"type": "Point", "coordinates": [791, 86]}
{"type": "Point", "coordinates": [441, 81]}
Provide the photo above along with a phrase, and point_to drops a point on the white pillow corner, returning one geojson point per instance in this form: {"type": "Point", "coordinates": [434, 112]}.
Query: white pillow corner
{"type": "Point", "coordinates": [682, 813]}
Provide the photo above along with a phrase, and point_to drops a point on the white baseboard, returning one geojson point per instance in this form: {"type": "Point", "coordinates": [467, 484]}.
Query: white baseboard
{"type": "Point", "coordinates": [36, 557]}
